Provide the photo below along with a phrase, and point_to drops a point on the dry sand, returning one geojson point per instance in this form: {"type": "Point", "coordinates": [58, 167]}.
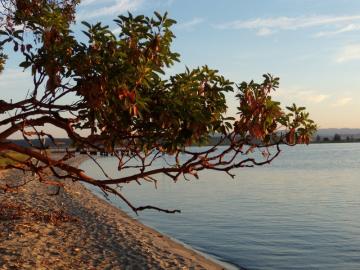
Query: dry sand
{"type": "Point", "coordinates": [77, 230]}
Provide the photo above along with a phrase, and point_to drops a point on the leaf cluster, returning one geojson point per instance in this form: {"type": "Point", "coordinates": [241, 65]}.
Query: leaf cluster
{"type": "Point", "coordinates": [263, 118]}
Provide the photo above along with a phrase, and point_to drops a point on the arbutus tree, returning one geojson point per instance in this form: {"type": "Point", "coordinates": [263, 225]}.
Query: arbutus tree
{"type": "Point", "coordinates": [125, 103]}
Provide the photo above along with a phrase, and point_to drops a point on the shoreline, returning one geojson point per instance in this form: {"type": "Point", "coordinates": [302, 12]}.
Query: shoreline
{"type": "Point", "coordinates": [223, 264]}
{"type": "Point", "coordinates": [87, 232]}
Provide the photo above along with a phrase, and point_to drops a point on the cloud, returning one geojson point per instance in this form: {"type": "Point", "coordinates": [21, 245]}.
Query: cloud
{"type": "Point", "coordinates": [317, 98]}
{"type": "Point", "coordinates": [342, 102]}
{"type": "Point", "coordinates": [308, 96]}
{"type": "Point", "coordinates": [264, 32]}
{"type": "Point", "coordinates": [311, 96]}
{"type": "Point", "coordinates": [114, 7]}
{"type": "Point", "coordinates": [348, 28]}
{"type": "Point", "coordinates": [349, 53]}
{"type": "Point", "coordinates": [287, 23]}
{"type": "Point", "coordinates": [190, 24]}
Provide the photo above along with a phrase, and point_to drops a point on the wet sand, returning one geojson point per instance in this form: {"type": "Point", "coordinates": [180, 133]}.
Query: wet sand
{"type": "Point", "coordinates": [78, 230]}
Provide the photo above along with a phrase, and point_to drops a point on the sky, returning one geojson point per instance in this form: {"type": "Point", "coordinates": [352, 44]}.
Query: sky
{"type": "Point", "coordinates": [312, 45]}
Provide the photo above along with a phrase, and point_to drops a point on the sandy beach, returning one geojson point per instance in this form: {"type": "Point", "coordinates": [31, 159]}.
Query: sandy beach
{"type": "Point", "coordinates": [78, 230]}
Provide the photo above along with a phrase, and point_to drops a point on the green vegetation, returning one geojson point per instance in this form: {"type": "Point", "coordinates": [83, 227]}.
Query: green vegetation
{"type": "Point", "coordinates": [11, 158]}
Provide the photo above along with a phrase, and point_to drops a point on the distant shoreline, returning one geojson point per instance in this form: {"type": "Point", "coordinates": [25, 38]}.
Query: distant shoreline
{"type": "Point", "coordinates": [331, 142]}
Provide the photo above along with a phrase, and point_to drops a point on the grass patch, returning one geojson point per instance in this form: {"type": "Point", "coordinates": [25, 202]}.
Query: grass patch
{"type": "Point", "coordinates": [10, 157]}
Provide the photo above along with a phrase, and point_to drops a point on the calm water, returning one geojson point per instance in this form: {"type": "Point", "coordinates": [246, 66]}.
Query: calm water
{"type": "Point", "coordinates": [301, 212]}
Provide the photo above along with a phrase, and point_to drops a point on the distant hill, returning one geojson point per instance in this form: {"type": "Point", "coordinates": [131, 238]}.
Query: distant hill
{"type": "Point", "coordinates": [343, 134]}
{"type": "Point", "coordinates": [340, 131]}
{"type": "Point", "coordinates": [62, 143]}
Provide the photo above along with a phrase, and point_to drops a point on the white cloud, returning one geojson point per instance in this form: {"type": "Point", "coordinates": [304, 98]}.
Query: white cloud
{"type": "Point", "coordinates": [348, 28]}
{"type": "Point", "coordinates": [264, 32]}
{"type": "Point", "coordinates": [317, 98]}
{"type": "Point", "coordinates": [311, 96]}
{"type": "Point", "coordinates": [288, 23]}
{"type": "Point", "coordinates": [113, 8]}
{"type": "Point", "coordinates": [190, 24]}
{"type": "Point", "coordinates": [304, 96]}
{"type": "Point", "coordinates": [349, 53]}
{"type": "Point", "coordinates": [342, 102]}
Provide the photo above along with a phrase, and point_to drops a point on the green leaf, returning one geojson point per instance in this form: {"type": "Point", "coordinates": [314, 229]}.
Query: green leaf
{"type": "Point", "coordinates": [25, 64]}
{"type": "Point", "coordinates": [5, 41]}
{"type": "Point", "coordinates": [158, 15]}
{"type": "Point", "coordinates": [86, 24]}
